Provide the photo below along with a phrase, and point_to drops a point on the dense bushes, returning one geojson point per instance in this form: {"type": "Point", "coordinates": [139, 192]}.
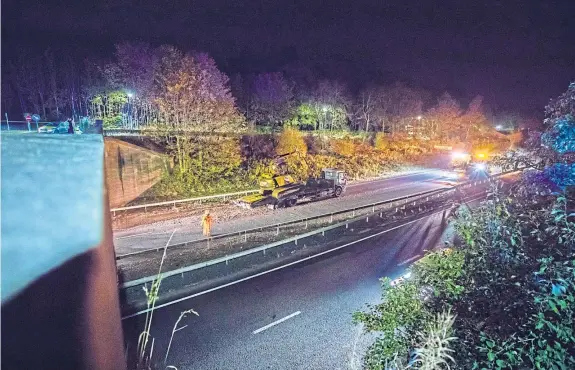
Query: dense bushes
{"type": "Point", "coordinates": [214, 164]}
{"type": "Point", "coordinates": [510, 286]}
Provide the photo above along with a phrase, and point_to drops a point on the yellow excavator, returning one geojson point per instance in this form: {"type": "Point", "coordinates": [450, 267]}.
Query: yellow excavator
{"type": "Point", "coordinates": [281, 190]}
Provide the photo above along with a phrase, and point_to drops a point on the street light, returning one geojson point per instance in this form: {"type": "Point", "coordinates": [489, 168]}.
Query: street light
{"type": "Point", "coordinates": [419, 118]}
{"type": "Point", "coordinates": [130, 95]}
{"type": "Point", "coordinates": [498, 127]}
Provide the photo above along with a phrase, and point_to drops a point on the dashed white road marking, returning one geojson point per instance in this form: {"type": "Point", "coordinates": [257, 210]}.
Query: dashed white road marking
{"type": "Point", "coordinates": [276, 322]}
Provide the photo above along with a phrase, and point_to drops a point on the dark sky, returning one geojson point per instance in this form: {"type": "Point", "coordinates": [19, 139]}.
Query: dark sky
{"type": "Point", "coordinates": [517, 54]}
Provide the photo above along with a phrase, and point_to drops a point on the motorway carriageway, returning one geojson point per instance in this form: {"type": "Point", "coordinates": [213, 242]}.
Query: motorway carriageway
{"type": "Point", "coordinates": [298, 317]}
{"type": "Point", "coordinates": [188, 228]}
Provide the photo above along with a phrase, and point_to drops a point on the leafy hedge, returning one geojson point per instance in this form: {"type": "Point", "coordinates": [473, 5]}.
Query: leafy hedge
{"type": "Point", "coordinates": [211, 165]}
{"type": "Point", "coordinates": [510, 287]}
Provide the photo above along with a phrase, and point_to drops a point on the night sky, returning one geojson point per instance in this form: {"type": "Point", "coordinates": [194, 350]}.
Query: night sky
{"type": "Point", "coordinates": [517, 54]}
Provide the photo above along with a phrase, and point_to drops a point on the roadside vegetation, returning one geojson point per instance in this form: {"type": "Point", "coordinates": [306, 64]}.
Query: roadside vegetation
{"type": "Point", "coordinates": [205, 165]}
{"type": "Point", "coordinates": [222, 132]}
{"type": "Point", "coordinates": [504, 298]}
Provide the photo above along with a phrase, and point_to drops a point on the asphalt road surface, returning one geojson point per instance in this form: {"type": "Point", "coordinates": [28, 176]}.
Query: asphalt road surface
{"type": "Point", "coordinates": [188, 228]}
{"type": "Point", "coordinates": [294, 318]}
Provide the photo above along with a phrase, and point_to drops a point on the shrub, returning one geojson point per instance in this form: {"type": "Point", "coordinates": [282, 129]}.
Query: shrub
{"type": "Point", "coordinates": [291, 140]}
{"type": "Point", "coordinates": [381, 141]}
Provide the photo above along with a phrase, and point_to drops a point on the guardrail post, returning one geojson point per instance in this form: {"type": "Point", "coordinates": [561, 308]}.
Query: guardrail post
{"type": "Point", "coordinates": [245, 236]}
{"type": "Point", "coordinates": [306, 223]}
{"type": "Point", "coordinates": [331, 218]}
{"type": "Point", "coordinates": [373, 208]}
{"type": "Point", "coordinates": [278, 230]}
{"type": "Point", "coordinates": [145, 209]}
{"type": "Point", "coordinates": [353, 213]}
{"type": "Point", "coordinates": [295, 241]}
{"type": "Point", "coordinates": [367, 219]}
{"type": "Point", "coordinates": [323, 233]}
{"type": "Point", "coordinates": [346, 225]}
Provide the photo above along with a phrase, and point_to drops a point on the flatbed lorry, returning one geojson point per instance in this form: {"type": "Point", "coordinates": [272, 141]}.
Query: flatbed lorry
{"type": "Point", "coordinates": [282, 191]}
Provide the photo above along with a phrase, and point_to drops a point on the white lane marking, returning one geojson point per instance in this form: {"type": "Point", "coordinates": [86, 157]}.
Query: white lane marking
{"type": "Point", "coordinates": [390, 178]}
{"type": "Point", "coordinates": [409, 260]}
{"type": "Point", "coordinates": [275, 268]}
{"type": "Point", "coordinates": [276, 322]}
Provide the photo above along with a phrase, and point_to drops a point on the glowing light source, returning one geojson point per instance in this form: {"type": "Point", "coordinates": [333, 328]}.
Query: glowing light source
{"type": "Point", "coordinates": [419, 118]}
{"type": "Point", "coordinates": [459, 155]}
{"type": "Point", "coordinates": [498, 127]}
{"type": "Point", "coordinates": [480, 167]}
{"type": "Point", "coordinates": [130, 95]}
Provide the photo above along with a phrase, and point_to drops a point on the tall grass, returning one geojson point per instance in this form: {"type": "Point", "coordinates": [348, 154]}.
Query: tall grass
{"type": "Point", "coordinates": [434, 352]}
{"type": "Point", "coordinates": [145, 346]}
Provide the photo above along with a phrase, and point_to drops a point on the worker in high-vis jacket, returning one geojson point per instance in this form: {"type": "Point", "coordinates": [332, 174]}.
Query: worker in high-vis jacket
{"type": "Point", "coordinates": [207, 221]}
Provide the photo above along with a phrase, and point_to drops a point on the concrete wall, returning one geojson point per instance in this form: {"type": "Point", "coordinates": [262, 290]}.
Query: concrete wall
{"type": "Point", "coordinates": [131, 170]}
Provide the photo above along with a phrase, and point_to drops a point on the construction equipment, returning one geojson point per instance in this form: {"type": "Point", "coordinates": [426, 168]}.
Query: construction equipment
{"type": "Point", "coordinates": [282, 191]}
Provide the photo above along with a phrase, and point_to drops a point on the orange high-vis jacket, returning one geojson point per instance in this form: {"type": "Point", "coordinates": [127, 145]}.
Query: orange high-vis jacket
{"type": "Point", "coordinates": [207, 224]}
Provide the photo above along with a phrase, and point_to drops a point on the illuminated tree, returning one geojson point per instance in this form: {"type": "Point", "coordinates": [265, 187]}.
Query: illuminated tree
{"type": "Point", "coordinates": [364, 115]}
{"type": "Point", "coordinates": [445, 118]}
{"type": "Point", "coordinates": [331, 104]}
{"type": "Point", "coordinates": [291, 140]}
{"type": "Point", "coordinates": [272, 99]}
{"type": "Point", "coordinates": [193, 95]}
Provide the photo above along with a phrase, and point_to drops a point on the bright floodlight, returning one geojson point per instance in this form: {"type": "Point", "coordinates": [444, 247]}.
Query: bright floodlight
{"type": "Point", "coordinates": [480, 166]}
{"type": "Point", "coordinates": [130, 94]}
{"type": "Point", "coordinates": [419, 118]}
{"type": "Point", "coordinates": [498, 127]}
{"type": "Point", "coordinates": [458, 155]}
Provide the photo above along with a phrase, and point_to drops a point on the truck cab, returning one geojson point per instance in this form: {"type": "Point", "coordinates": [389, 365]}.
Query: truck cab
{"type": "Point", "coordinates": [336, 179]}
